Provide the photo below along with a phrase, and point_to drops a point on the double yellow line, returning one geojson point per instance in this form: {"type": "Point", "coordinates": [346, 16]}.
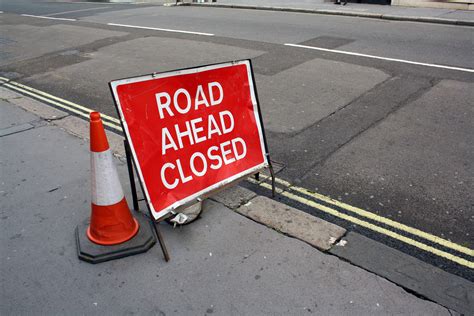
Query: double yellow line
{"type": "Point", "coordinates": [291, 192]}
{"type": "Point", "coordinates": [80, 110]}
{"type": "Point", "coordinates": [311, 199]}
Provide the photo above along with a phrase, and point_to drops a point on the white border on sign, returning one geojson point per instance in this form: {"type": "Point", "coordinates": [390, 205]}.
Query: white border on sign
{"type": "Point", "coordinates": [159, 214]}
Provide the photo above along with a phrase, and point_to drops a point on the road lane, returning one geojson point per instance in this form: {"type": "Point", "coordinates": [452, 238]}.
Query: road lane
{"type": "Point", "coordinates": [419, 42]}
{"type": "Point", "coordinates": [439, 44]}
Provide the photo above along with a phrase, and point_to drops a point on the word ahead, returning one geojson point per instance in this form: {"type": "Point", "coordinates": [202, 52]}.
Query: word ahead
{"type": "Point", "coordinates": [191, 131]}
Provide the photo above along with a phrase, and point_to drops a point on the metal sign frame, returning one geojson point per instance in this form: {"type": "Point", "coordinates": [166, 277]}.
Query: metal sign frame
{"type": "Point", "coordinates": [132, 160]}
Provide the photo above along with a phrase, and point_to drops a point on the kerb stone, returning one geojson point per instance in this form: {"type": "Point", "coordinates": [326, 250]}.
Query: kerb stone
{"type": "Point", "coordinates": [292, 222]}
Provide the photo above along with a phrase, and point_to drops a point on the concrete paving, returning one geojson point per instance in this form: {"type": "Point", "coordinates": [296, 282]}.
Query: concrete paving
{"type": "Point", "coordinates": [223, 264]}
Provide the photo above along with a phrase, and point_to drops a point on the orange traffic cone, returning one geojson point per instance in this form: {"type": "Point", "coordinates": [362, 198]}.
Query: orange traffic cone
{"type": "Point", "coordinates": [111, 221]}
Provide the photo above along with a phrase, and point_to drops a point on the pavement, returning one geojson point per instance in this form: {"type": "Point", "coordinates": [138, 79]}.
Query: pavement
{"type": "Point", "coordinates": [387, 12]}
{"type": "Point", "coordinates": [223, 264]}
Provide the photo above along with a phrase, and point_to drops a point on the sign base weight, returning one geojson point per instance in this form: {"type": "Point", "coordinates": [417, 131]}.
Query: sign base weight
{"type": "Point", "coordinates": [94, 253]}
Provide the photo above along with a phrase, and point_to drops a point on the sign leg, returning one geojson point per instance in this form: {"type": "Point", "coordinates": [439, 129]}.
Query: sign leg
{"type": "Point", "coordinates": [272, 173]}
{"type": "Point", "coordinates": [161, 240]}
{"type": "Point", "coordinates": [130, 175]}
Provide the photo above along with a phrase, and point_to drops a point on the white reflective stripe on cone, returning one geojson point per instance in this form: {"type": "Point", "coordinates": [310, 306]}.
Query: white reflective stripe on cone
{"type": "Point", "coordinates": [106, 187]}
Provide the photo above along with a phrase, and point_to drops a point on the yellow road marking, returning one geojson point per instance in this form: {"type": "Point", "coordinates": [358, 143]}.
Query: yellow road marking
{"type": "Point", "coordinates": [85, 115]}
{"type": "Point", "coordinates": [375, 228]}
{"type": "Point", "coordinates": [75, 108]}
{"type": "Point", "coordinates": [74, 105]}
{"type": "Point", "coordinates": [380, 219]}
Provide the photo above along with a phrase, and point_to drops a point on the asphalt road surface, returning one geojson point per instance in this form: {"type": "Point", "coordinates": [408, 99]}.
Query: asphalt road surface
{"type": "Point", "coordinates": [392, 137]}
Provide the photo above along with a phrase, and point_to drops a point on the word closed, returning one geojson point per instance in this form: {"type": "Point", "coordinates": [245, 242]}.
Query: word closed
{"type": "Point", "coordinates": [191, 131]}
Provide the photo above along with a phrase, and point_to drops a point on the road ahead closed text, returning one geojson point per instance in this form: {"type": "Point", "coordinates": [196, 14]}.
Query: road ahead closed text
{"type": "Point", "coordinates": [191, 131]}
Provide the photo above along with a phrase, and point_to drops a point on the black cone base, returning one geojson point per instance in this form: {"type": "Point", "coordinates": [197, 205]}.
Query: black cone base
{"type": "Point", "coordinates": [94, 253]}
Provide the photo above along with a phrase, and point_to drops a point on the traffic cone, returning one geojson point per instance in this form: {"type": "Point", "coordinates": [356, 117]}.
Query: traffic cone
{"type": "Point", "coordinates": [111, 220]}
{"type": "Point", "coordinates": [113, 232]}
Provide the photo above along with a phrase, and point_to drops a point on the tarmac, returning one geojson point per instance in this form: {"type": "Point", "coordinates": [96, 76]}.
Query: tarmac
{"type": "Point", "coordinates": [385, 12]}
{"type": "Point", "coordinates": [222, 264]}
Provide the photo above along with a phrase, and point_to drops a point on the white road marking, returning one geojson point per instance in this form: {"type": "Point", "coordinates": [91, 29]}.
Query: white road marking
{"type": "Point", "coordinates": [382, 58]}
{"type": "Point", "coordinates": [107, 3]}
{"type": "Point", "coordinates": [160, 29]}
{"type": "Point", "coordinates": [47, 17]}
{"type": "Point", "coordinates": [74, 11]}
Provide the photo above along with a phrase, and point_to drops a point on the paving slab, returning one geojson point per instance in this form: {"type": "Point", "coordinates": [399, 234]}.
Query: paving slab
{"type": "Point", "coordinates": [10, 116]}
{"type": "Point", "coordinates": [16, 129]}
{"type": "Point", "coordinates": [435, 284]}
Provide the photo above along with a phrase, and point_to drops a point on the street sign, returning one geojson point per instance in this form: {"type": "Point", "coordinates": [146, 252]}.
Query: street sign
{"type": "Point", "coordinates": [191, 131]}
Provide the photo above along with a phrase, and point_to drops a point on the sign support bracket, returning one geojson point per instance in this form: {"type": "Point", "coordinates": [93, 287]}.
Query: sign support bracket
{"type": "Point", "coordinates": [272, 174]}
{"type": "Point", "coordinates": [267, 152]}
{"type": "Point", "coordinates": [128, 154]}
{"type": "Point", "coordinates": [131, 176]}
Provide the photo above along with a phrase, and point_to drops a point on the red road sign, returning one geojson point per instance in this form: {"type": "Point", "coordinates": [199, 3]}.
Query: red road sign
{"type": "Point", "coordinates": [191, 131]}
